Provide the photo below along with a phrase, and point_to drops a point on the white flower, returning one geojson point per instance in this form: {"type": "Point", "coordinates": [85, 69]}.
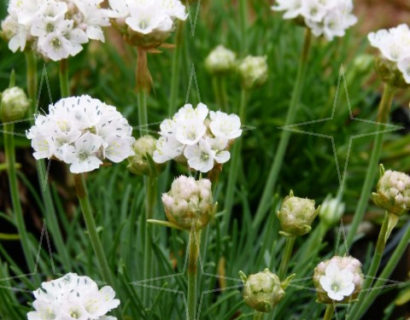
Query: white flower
{"type": "Point", "coordinates": [338, 283]}
{"type": "Point", "coordinates": [198, 137]}
{"type": "Point", "coordinates": [394, 45]}
{"type": "Point", "coordinates": [73, 297]}
{"type": "Point", "coordinates": [56, 29]}
{"type": "Point", "coordinates": [220, 60]}
{"type": "Point", "coordinates": [82, 132]}
{"type": "Point", "coordinates": [329, 18]}
{"type": "Point", "coordinates": [253, 71]}
{"type": "Point", "coordinates": [225, 126]}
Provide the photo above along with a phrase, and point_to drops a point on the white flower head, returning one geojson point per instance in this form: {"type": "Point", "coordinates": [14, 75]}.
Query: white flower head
{"type": "Point", "coordinates": [73, 297]}
{"type": "Point", "coordinates": [56, 29]}
{"type": "Point", "coordinates": [394, 45]}
{"type": "Point", "coordinates": [338, 283]}
{"type": "Point", "coordinates": [329, 18]}
{"type": "Point", "coordinates": [82, 132]}
{"type": "Point", "coordinates": [220, 60]}
{"type": "Point", "coordinates": [253, 71]}
{"type": "Point", "coordinates": [197, 137]}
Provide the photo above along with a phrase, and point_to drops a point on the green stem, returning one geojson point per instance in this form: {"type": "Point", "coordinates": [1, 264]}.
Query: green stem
{"type": "Point", "coordinates": [257, 315]}
{"type": "Point", "coordinates": [82, 195]}
{"type": "Point", "coordinates": [285, 135]}
{"type": "Point", "coordinates": [50, 213]}
{"type": "Point", "coordinates": [384, 275]}
{"type": "Point", "coordinates": [143, 112]}
{"type": "Point", "coordinates": [330, 310]}
{"type": "Point", "coordinates": [194, 242]}
{"type": "Point", "coordinates": [176, 72]}
{"type": "Point", "coordinates": [234, 168]}
{"type": "Point", "coordinates": [15, 196]}
{"type": "Point", "coordinates": [243, 11]}
{"type": "Point", "coordinates": [217, 90]}
{"type": "Point", "coordinates": [382, 117]}
{"type": "Point", "coordinates": [284, 263]}
{"type": "Point", "coordinates": [63, 76]}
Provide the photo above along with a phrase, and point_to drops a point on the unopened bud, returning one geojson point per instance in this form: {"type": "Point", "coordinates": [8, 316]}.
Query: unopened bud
{"type": "Point", "coordinates": [189, 204]}
{"type": "Point", "coordinates": [14, 104]}
{"type": "Point", "coordinates": [389, 73]}
{"type": "Point", "coordinates": [220, 60]}
{"type": "Point", "coordinates": [253, 71]}
{"type": "Point", "coordinates": [331, 210]}
{"type": "Point", "coordinates": [338, 280]}
{"type": "Point", "coordinates": [262, 291]}
{"type": "Point", "coordinates": [393, 192]}
{"type": "Point", "coordinates": [296, 215]}
{"type": "Point", "coordinates": [141, 162]}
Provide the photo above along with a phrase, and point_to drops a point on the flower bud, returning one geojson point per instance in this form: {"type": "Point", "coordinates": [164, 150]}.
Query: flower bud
{"type": "Point", "coordinates": [263, 291]}
{"type": "Point", "coordinates": [393, 192]}
{"type": "Point", "coordinates": [296, 215]}
{"type": "Point", "coordinates": [220, 60]}
{"type": "Point", "coordinates": [338, 279]}
{"type": "Point", "coordinates": [141, 162]}
{"type": "Point", "coordinates": [253, 71]}
{"type": "Point", "coordinates": [189, 203]}
{"type": "Point", "coordinates": [14, 104]}
{"type": "Point", "coordinates": [331, 210]}
{"type": "Point", "coordinates": [389, 73]}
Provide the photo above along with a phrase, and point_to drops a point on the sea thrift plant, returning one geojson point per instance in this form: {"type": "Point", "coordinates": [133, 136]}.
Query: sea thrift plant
{"type": "Point", "coordinates": [73, 297]}
{"type": "Point", "coordinates": [56, 29]}
{"type": "Point", "coordinates": [147, 23]}
{"type": "Point", "coordinates": [393, 192]}
{"type": "Point", "coordinates": [220, 60]}
{"type": "Point", "coordinates": [296, 215]}
{"type": "Point", "coordinates": [13, 104]}
{"type": "Point", "coordinates": [82, 132]}
{"type": "Point", "coordinates": [189, 204]}
{"type": "Point", "coordinates": [329, 18]}
{"type": "Point", "coordinates": [394, 45]}
{"type": "Point", "coordinates": [338, 279]}
{"type": "Point", "coordinates": [198, 137]}
{"type": "Point", "coordinates": [253, 71]}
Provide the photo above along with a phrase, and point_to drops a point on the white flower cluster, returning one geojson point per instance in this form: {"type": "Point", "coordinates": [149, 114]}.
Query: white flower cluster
{"type": "Point", "coordinates": [220, 60]}
{"type": "Point", "coordinates": [148, 16]}
{"type": "Point", "coordinates": [56, 29]}
{"type": "Point", "coordinates": [394, 45]}
{"type": "Point", "coordinates": [253, 71]}
{"type": "Point", "coordinates": [339, 279]}
{"type": "Point", "coordinates": [198, 136]}
{"type": "Point", "coordinates": [81, 131]}
{"type": "Point", "coordinates": [329, 18]}
{"type": "Point", "coordinates": [73, 297]}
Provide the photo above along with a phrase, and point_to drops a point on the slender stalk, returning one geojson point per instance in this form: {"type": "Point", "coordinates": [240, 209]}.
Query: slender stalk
{"type": "Point", "coordinates": [243, 11]}
{"type": "Point", "coordinates": [194, 242]}
{"type": "Point", "coordinates": [217, 90]}
{"type": "Point", "coordinates": [377, 257]}
{"type": "Point", "coordinates": [234, 168]}
{"type": "Point", "coordinates": [384, 275]}
{"type": "Point", "coordinates": [285, 135]}
{"type": "Point", "coordinates": [50, 213]}
{"type": "Point", "coordinates": [14, 192]}
{"type": "Point", "coordinates": [382, 117]}
{"type": "Point", "coordinates": [63, 76]}
{"type": "Point", "coordinates": [176, 72]}
{"type": "Point", "coordinates": [330, 310]}
{"type": "Point", "coordinates": [258, 315]}
{"type": "Point", "coordinates": [143, 112]}
{"type": "Point", "coordinates": [82, 195]}
{"type": "Point", "coordinates": [284, 263]}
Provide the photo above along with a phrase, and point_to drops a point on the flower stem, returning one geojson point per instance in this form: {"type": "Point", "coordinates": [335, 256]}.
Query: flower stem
{"type": "Point", "coordinates": [194, 242]}
{"type": "Point", "coordinates": [382, 117]}
{"type": "Point", "coordinates": [257, 315]}
{"type": "Point", "coordinates": [389, 222]}
{"type": "Point", "coordinates": [234, 168]}
{"type": "Point", "coordinates": [243, 10]}
{"type": "Point", "coordinates": [384, 275]}
{"type": "Point", "coordinates": [31, 63]}
{"type": "Point", "coordinates": [82, 195]}
{"type": "Point", "coordinates": [15, 197]}
{"type": "Point", "coordinates": [285, 135]}
{"type": "Point", "coordinates": [176, 72]}
{"type": "Point", "coordinates": [63, 76]}
{"type": "Point", "coordinates": [283, 268]}
{"type": "Point", "coordinates": [330, 310]}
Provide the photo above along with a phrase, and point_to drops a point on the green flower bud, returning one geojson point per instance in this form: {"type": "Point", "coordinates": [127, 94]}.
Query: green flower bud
{"type": "Point", "coordinates": [253, 71]}
{"type": "Point", "coordinates": [331, 210]}
{"type": "Point", "coordinates": [189, 204]}
{"type": "Point", "coordinates": [338, 280]}
{"type": "Point", "coordinates": [14, 104]}
{"type": "Point", "coordinates": [296, 215]}
{"type": "Point", "coordinates": [393, 192]}
{"type": "Point", "coordinates": [363, 63]}
{"type": "Point", "coordinates": [141, 162]}
{"type": "Point", "coordinates": [220, 60]}
{"type": "Point", "coordinates": [389, 73]}
{"type": "Point", "coordinates": [263, 291]}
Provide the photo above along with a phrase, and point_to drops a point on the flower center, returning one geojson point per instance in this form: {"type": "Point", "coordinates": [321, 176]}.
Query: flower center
{"type": "Point", "coordinates": [335, 287]}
